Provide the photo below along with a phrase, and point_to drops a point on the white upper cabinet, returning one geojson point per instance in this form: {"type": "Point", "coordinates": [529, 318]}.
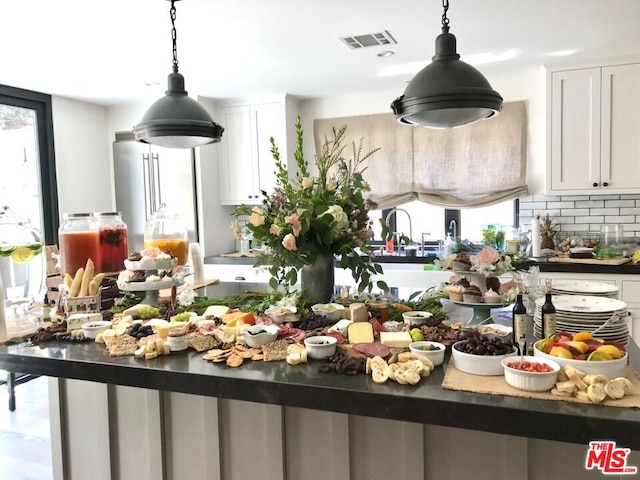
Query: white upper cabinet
{"type": "Point", "coordinates": [246, 164]}
{"type": "Point", "coordinates": [594, 131]}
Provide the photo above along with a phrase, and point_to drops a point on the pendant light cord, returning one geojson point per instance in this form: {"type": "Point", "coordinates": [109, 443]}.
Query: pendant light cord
{"type": "Point", "coordinates": [445, 20]}
{"type": "Point", "coordinates": [174, 36]}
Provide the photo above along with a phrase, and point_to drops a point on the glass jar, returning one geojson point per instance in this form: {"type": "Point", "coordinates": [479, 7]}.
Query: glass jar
{"type": "Point", "coordinates": [79, 240]}
{"type": "Point", "coordinates": [114, 244]}
{"type": "Point", "coordinates": [382, 309]}
{"type": "Point", "coordinates": [167, 232]}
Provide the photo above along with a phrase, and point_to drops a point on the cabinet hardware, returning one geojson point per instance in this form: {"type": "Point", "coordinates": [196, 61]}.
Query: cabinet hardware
{"type": "Point", "coordinates": [606, 184]}
{"type": "Point", "coordinates": [595, 184]}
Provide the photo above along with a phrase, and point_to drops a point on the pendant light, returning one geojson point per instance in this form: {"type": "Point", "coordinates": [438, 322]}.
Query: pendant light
{"type": "Point", "coordinates": [448, 92]}
{"type": "Point", "coordinates": [177, 121]}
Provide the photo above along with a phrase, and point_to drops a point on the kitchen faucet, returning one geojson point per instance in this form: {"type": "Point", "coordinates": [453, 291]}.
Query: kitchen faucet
{"type": "Point", "coordinates": [453, 226]}
{"type": "Point", "coordinates": [396, 210]}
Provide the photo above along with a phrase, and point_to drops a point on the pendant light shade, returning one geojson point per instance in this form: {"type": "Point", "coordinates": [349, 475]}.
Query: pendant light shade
{"type": "Point", "coordinates": [177, 121]}
{"type": "Point", "coordinates": [448, 92]}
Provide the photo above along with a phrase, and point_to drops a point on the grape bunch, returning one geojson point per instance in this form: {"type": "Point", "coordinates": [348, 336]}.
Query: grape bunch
{"type": "Point", "coordinates": [312, 321]}
{"type": "Point", "coordinates": [138, 330]}
{"type": "Point", "coordinates": [147, 312]}
{"type": "Point", "coordinates": [168, 313]}
{"type": "Point", "coordinates": [180, 317]}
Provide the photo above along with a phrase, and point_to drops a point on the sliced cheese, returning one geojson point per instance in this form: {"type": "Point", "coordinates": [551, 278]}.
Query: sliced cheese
{"type": "Point", "coordinates": [360, 332]}
{"type": "Point", "coordinates": [395, 339]}
{"type": "Point", "coordinates": [215, 311]}
{"type": "Point", "coordinates": [75, 321]}
{"type": "Point", "coordinates": [235, 318]}
{"type": "Point", "coordinates": [358, 312]}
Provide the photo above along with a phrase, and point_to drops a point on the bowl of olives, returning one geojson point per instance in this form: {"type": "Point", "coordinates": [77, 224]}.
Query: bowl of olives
{"type": "Point", "coordinates": [259, 335]}
{"type": "Point", "coordinates": [479, 355]}
{"type": "Point", "coordinates": [434, 351]}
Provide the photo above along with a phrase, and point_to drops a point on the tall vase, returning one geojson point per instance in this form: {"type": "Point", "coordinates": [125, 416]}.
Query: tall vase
{"type": "Point", "coordinates": [318, 279]}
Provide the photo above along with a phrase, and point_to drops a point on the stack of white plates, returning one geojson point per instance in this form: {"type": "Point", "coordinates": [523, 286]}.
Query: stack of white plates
{"type": "Point", "coordinates": [582, 287]}
{"type": "Point", "coordinates": [582, 313]}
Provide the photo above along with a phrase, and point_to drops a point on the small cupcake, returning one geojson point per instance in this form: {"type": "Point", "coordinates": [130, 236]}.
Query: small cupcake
{"type": "Point", "coordinates": [456, 293]}
{"type": "Point", "coordinates": [462, 262]}
{"type": "Point", "coordinates": [473, 294]}
{"type": "Point", "coordinates": [492, 297]}
{"type": "Point", "coordinates": [445, 290]}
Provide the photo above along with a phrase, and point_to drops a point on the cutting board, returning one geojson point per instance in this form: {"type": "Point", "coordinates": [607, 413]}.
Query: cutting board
{"type": "Point", "coordinates": [591, 261]}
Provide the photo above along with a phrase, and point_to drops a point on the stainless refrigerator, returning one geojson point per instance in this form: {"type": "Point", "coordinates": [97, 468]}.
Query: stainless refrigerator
{"type": "Point", "coordinates": [147, 177]}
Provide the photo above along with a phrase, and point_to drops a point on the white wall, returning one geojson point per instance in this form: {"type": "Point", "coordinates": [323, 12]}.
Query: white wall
{"type": "Point", "coordinates": [528, 85]}
{"type": "Point", "coordinates": [82, 156]}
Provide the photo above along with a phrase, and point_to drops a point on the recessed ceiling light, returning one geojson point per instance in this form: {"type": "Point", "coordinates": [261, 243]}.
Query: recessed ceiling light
{"type": "Point", "coordinates": [562, 53]}
{"type": "Point", "coordinates": [385, 53]}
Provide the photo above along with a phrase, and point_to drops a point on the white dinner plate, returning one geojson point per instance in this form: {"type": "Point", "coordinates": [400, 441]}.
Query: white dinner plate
{"type": "Point", "coordinates": [584, 304]}
{"type": "Point", "coordinates": [583, 287]}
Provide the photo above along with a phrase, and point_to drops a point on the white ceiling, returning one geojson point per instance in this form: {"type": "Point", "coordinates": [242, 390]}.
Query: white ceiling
{"type": "Point", "coordinates": [106, 51]}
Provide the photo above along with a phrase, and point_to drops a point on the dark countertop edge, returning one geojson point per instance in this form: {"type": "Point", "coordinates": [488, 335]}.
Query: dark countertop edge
{"type": "Point", "coordinates": [627, 268]}
{"type": "Point", "coordinates": [568, 422]}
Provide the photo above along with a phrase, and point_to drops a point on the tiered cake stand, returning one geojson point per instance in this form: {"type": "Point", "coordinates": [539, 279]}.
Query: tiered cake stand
{"type": "Point", "coordinates": [151, 289]}
{"type": "Point", "coordinates": [481, 311]}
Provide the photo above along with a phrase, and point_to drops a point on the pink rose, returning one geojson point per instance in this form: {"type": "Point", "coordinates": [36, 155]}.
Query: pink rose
{"type": "Point", "coordinates": [486, 255]}
{"type": "Point", "coordinates": [151, 253]}
{"type": "Point", "coordinates": [275, 229]}
{"type": "Point", "coordinates": [289, 242]}
{"type": "Point", "coordinates": [294, 221]}
{"type": "Point", "coordinates": [256, 219]}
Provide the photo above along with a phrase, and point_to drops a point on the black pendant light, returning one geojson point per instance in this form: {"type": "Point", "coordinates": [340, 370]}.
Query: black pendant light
{"type": "Point", "coordinates": [177, 121]}
{"type": "Point", "coordinates": [448, 92]}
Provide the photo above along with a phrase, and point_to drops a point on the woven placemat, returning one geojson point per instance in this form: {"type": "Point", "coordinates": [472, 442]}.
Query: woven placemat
{"type": "Point", "coordinates": [454, 379]}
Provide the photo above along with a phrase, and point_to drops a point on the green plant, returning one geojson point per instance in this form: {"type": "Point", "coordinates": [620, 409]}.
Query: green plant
{"type": "Point", "coordinates": [311, 216]}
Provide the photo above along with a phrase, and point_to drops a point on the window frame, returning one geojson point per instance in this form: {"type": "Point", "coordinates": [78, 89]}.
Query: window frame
{"type": "Point", "coordinates": [41, 104]}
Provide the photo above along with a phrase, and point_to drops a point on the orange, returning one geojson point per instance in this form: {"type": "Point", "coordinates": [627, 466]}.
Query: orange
{"type": "Point", "coordinates": [582, 336]}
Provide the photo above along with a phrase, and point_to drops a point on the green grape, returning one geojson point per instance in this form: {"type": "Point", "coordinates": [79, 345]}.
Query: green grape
{"type": "Point", "coordinates": [181, 317]}
{"type": "Point", "coordinates": [147, 312]}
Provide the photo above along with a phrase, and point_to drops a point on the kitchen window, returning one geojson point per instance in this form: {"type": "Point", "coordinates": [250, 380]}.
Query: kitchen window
{"type": "Point", "coordinates": [28, 180]}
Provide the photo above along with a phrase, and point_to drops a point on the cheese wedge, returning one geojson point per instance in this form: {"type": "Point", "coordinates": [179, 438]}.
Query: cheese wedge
{"type": "Point", "coordinates": [360, 332]}
{"type": "Point", "coordinates": [232, 319]}
{"type": "Point", "coordinates": [76, 320]}
{"type": "Point", "coordinates": [358, 312]}
{"type": "Point", "coordinates": [215, 311]}
{"type": "Point", "coordinates": [395, 339]}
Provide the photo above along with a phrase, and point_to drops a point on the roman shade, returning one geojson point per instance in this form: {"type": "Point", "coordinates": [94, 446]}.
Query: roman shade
{"type": "Point", "coordinates": [476, 165]}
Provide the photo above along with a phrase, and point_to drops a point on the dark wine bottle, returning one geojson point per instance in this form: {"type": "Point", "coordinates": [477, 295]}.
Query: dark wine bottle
{"type": "Point", "coordinates": [548, 317]}
{"type": "Point", "coordinates": [519, 321]}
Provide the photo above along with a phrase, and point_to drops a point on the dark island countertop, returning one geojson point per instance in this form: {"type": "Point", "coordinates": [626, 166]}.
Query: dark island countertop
{"type": "Point", "coordinates": [545, 266]}
{"type": "Point", "coordinates": [303, 386]}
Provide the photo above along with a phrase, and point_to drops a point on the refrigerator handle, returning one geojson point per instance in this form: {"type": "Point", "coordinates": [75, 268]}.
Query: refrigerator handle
{"type": "Point", "coordinates": [155, 168]}
{"type": "Point", "coordinates": [148, 185]}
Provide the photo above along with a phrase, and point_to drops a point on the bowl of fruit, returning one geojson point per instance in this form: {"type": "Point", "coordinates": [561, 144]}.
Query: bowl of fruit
{"type": "Point", "coordinates": [479, 355]}
{"type": "Point", "coordinates": [584, 352]}
{"type": "Point", "coordinates": [434, 351]}
{"type": "Point", "coordinates": [531, 374]}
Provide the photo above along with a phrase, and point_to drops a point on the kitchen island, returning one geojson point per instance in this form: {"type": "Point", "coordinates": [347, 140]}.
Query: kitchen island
{"type": "Point", "coordinates": [181, 417]}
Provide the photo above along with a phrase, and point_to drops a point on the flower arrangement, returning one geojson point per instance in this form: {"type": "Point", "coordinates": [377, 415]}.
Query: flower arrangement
{"type": "Point", "coordinates": [487, 261]}
{"type": "Point", "coordinates": [307, 217]}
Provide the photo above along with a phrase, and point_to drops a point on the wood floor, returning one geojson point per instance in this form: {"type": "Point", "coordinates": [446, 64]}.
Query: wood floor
{"type": "Point", "coordinates": [25, 439]}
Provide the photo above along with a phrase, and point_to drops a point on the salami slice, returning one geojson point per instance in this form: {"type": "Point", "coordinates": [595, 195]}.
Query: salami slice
{"type": "Point", "coordinates": [372, 349]}
{"type": "Point", "coordinates": [338, 336]}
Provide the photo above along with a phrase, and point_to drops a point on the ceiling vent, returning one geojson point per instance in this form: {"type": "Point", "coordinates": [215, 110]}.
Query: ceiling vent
{"type": "Point", "coordinates": [368, 40]}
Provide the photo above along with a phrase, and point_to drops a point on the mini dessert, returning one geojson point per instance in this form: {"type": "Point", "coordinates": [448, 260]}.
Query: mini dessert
{"type": "Point", "coordinates": [135, 257]}
{"type": "Point", "coordinates": [462, 262]}
{"type": "Point", "coordinates": [493, 283]}
{"type": "Point", "coordinates": [492, 297]}
{"type": "Point", "coordinates": [472, 294]}
{"type": "Point", "coordinates": [461, 281]}
{"type": "Point", "coordinates": [137, 276]}
{"type": "Point", "coordinates": [456, 292]}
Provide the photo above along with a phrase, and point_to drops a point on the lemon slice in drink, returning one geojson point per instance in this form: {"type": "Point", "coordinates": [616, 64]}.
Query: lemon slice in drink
{"type": "Point", "coordinates": [22, 255]}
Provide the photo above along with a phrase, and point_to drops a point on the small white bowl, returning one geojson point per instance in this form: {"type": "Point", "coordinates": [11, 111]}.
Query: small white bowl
{"type": "Point", "coordinates": [282, 314]}
{"type": "Point", "coordinates": [321, 346]}
{"type": "Point", "coordinates": [610, 368]}
{"type": "Point", "coordinates": [259, 335]}
{"type": "Point", "coordinates": [530, 381]}
{"type": "Point", "coordinates": [416, 317]}
{"type": "Point", "coordinates": [92, 329]}
{"type": "Point", "coordinates": [492, 330]}
{"type": "Point", "coordinates": [484, 365]}
{"type": "Point", "coordinates": [436, 355]}
{"type": "Point", "coordinates": [333, 311]}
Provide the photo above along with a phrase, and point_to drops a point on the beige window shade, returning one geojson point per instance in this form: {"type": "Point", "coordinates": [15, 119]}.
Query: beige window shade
{"type": "Point", "coordinates": [477, 165]}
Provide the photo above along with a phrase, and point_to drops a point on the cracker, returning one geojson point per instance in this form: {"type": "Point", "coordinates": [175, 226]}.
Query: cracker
{"type": "Point", "coordinates": [257, 357]}
{"type": "Point", "coordinates": [275, 351]}
{"type": "Point", "coordinates": [122, 346]}
{"type": "Point", "coordinates": [234, 360]}
{"type": "Point", "coordinates": [200, 342]}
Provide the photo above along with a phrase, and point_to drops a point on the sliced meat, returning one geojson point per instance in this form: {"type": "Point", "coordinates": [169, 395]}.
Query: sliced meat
{"type": "Point", "coordinates": [372, 349]}
{"type": "Point", "coordinates": [338, 336]}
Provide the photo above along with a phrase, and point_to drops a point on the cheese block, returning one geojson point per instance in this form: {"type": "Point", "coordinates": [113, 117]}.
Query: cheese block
{"type": "Point", "coordinates": [76, 320]}
{"type": "Point", "coordinates": [360, 332]}
{"type": "Point", "coordinates": [395, 339]}
{"type": "Point", "coordinates": [237, 318]}
{"type": "Point", "coordinates": [358, 312]}
{"type": "Point", "coordinates": [215, 311]}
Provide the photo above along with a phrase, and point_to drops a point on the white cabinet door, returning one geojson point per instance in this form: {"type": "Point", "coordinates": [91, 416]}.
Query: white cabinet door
{"type": "Point", "coordinates": [575, 130]}
{"type": "Point", "coordinates": [268, 123]}
{"type": "Point", "coordinates": [238, 184]}
{"type": "Point", "coordinates": [621, 127]}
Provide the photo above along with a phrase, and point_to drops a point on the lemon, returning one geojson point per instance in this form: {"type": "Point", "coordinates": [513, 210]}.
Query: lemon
{"type": "Point", "coordinates": [22, 255]}
{"type": "Point", "coordinates": [599, 356]}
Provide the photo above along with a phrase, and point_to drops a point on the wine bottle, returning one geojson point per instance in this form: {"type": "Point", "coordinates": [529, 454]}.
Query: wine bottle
{"type": "Point", "coordinates": [548, 317]}
{"type": "Point", "coordinates": [519, 321]}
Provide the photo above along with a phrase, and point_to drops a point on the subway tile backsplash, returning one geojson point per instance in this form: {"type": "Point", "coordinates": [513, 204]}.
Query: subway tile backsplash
{"type": "Point", "coordinates": [584, 213]}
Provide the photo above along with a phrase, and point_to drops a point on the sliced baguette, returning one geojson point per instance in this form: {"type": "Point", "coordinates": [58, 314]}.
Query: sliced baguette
{"type": "Point", "coordinates": [615, 388]}
{"type": "Point", "coordinates": [596, 392]}
{"type": "Point", "coordinates": [558, 393]}
{"type": "Point", "coordinates": [566, 387]}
